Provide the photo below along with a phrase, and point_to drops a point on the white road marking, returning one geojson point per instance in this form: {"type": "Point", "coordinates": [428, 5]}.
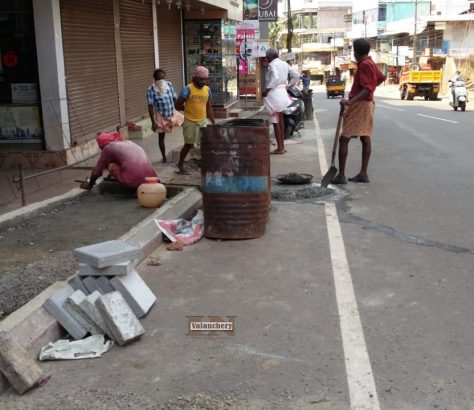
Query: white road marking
{"type": "Point", "coordinates": [360, 379]}
{"type": "Point", "coordinates": [390, 108]}
{"type": "Point", "coordinates": [436, 118]}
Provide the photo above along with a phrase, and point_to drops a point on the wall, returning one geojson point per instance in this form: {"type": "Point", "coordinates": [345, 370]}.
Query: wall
{"type": "Point", "coordinates": [449, 6]}
{"type": "Point", "coordinates": [460, 34]}
{"type": "Point", "coordinates": [234, 8]}
{"type": "Point", "coordinates": [332, 17]}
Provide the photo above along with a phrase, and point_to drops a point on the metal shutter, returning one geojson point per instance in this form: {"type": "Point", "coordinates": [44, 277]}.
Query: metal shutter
{"type": "Point", "coordinates": [170, 45]}
{"type": "Point", "coordinates": [136, 34]}
{"type": "Point", "coordinates": [90, 65]}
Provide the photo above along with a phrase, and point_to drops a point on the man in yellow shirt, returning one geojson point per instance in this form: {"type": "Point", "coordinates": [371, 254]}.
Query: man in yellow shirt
{"type": "Point", "coordinates": [195, 100]}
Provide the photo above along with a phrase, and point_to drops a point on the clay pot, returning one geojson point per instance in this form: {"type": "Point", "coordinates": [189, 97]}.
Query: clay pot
{"type": "Point", "coordinates": [151, 193]}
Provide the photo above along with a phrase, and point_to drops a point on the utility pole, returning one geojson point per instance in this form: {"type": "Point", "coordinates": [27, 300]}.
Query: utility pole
{"type": "Point", "coordinates": [289, 29]}
{"type": "Point", "coordinates": [364, 19]}
{"type": "Point", "coordinates": [414, 35]}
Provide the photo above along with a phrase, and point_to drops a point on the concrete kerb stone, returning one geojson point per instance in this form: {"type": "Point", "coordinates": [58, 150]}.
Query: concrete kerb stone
{"type": "Point", "coordinates": [119, 318]}
{"type": "Point", "coordinates": [91, 285]}
{"type": "Point", "coordinates": [72, 305]}
{"type": "Point", "coordinates": [55, 306]}
{"type": "Point", "coordinates": [136, 292]}
{"type": "Point", "coordinates": [104, 285]}
{"type": "Point", "coordinates": [145, 235]}
{"type": "Point", "coordinates": [88, 307]}
{"type": "Point", "coordinates": [103, 254]}
{"type": "Point", "coordinates": [76, 283]}
{"type": "Point", "coordinates": [118, 269]}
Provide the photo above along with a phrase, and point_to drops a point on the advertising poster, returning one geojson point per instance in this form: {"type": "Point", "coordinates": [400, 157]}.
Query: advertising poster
{"type": "Point", "coordinates": [20, 122]}
{"type": "Point", "coordinates": [250, 10]}
{"type": "Point", "coordinates": [244, 43]}
{"type": "Point", "coordinates": [268, 10]}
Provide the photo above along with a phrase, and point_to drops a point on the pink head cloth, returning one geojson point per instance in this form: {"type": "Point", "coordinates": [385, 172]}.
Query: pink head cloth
{"type": "Point", "coordinates": [201, 72]}
{"type": "Point", "coordinates": [105, 138]}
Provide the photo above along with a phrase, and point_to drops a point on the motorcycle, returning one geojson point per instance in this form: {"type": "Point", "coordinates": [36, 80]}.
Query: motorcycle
{"type": "Point", "coordinates": [458, 95]}
{"type": "Point", "coordinates": [294, 115]}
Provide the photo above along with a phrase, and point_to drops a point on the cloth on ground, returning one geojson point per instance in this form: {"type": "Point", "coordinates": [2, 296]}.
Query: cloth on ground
{"type": "Point", "coordinates": [188, 232]}
{"type": "Point", "coordinates": [88, 348]}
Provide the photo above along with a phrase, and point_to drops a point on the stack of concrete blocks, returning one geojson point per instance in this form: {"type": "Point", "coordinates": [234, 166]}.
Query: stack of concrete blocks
{"type": "Point", "coordinates": [107, 296]}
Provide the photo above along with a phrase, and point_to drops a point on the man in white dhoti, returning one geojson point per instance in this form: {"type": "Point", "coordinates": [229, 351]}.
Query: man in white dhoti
{"type": "Point", "coordinates": [275, 95]}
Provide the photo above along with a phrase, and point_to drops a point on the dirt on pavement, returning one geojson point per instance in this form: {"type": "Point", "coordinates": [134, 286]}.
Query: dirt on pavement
{"type": "Point", "coordinates": [38, 252]}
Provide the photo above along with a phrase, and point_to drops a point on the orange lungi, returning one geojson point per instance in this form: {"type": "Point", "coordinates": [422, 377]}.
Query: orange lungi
{"type": "Point", "coordinates": [358, 119]}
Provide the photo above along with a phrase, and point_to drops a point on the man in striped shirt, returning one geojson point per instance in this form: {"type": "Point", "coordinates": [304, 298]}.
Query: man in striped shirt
{"type": "Point", "coordinates": [161, 97]}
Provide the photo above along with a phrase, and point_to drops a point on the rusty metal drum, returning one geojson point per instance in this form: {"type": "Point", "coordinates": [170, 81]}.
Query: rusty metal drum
{"type": "Point", "coordinates": [236, 179]}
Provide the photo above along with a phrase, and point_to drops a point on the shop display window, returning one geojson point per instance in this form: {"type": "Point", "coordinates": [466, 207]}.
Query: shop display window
{"type": "Point", "coordinates": [19, 92]}
{"type": "Point", "coordinates": [211, 43]}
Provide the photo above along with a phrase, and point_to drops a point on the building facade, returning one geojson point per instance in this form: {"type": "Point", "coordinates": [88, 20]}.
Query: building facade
{"type": "Point", "coordinates": [82, 67]}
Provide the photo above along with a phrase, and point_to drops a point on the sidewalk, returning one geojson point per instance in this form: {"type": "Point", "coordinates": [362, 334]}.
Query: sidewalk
{"type": "Point", "coordinates": [283, 355]}
{"type": "Point", "coordinates": [58, 183]}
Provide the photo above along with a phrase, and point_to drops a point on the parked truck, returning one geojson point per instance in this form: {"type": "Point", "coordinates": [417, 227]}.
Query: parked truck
{"type": "Point", "coordinates": [420, 82]}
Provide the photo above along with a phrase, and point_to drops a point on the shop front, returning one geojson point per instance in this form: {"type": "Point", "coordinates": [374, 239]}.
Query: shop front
{"type": "Point", "coordinates": [20, 106]}
{"type": "Point", "coordinates": [70, 69]}
{"type": "Point", "coordinates": [211, 43]}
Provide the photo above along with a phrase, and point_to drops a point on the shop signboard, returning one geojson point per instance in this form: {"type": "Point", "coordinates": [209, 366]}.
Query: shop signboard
{"type": "Point", "coordinates": [268, 10]}
{"type": "Point", "coordinates": [24, 93]}
{"type": "Point", "coordinates": [439, 52]}
{"type": "Point", "coordinates": [459, 52]}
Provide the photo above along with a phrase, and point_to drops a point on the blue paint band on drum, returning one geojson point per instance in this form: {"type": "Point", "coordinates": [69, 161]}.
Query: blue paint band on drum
{"type": "Point", "coordinates": [235, 184]}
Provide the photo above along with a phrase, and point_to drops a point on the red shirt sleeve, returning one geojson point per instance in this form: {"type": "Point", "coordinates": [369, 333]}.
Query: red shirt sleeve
{"type": "Point", "coordinates": [367, 76]}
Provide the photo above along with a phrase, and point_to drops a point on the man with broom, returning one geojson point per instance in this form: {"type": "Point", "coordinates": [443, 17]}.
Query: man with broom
{"type": "Point", "coordinates": [359, 111]}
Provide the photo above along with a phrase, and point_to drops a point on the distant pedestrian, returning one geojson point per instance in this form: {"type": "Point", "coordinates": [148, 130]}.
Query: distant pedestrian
{"type": "Point", "coordinates": [306, 80]}
{"type": "Point", "coordinates": [161, 97]}
{"type": "Point", "coordinates": [275, 95]}
{"type": "Point", "coordinates": [126, 161]}
{"type": "Point", "coordinates": [359, 111]}
{"type": "Point", "coordinates": [195, 100]}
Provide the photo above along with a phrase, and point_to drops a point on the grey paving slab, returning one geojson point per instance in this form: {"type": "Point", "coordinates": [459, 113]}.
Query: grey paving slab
{"type": "Point", "coordinates": [76, 283]}
{"type": "Point", "coordinates": [120, 319]}
{"type": "Point", "coordinates": [106, 253]}
{"type": "Point", "coordinates": [72, 305]}
{"type": "Point", "coordinates": [91, 284]}
{"type": "Point", "coordinates": [135, 291]}
{"type": "Point", "coordinates": [112, 270]}
{"type": "Point", "coordinates": [54, 305]}
{"type": "Point", "coordinates": [88, 307]}
{"type": "Point", "coordinates": [104, 285]}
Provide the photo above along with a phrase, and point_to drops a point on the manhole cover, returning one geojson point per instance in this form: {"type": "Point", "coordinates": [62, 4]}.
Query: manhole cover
{"type": "Point", "coordinates": [281, 192]}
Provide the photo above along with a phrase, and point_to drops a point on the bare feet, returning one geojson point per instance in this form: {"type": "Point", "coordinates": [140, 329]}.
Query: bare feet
{"type": "Point", "coordinates": [278, 151]}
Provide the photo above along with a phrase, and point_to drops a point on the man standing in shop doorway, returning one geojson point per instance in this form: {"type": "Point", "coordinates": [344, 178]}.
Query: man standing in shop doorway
{"type": "Point", "coordinates": [275, 95]}
{"type": "Point", "coordinates": [195, 100]}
